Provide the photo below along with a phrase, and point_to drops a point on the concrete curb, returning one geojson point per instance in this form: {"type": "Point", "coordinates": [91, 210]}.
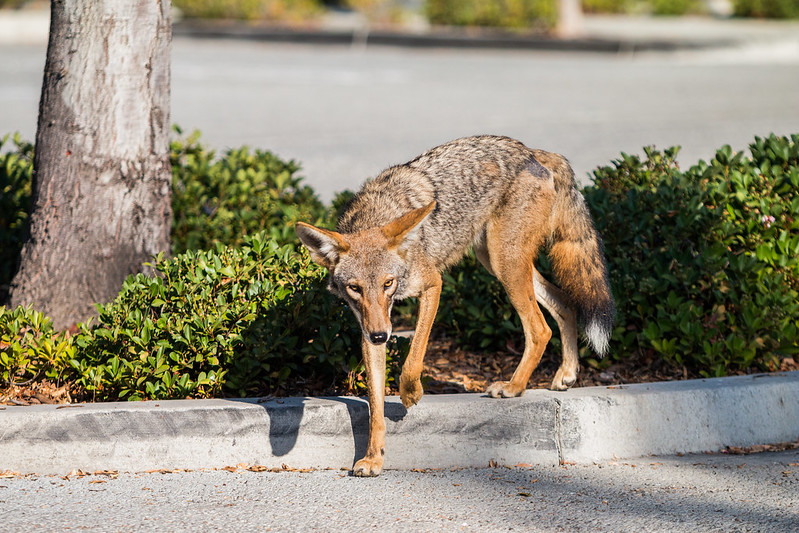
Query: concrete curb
{"type": "Point", "coordinates": [543, 427]}
{"type": "Point", "coordinates": [441, 39]}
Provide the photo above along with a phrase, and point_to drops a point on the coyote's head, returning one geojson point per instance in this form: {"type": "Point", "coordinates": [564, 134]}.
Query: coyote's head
{"type": "Point", "coordinates": [370, 268]}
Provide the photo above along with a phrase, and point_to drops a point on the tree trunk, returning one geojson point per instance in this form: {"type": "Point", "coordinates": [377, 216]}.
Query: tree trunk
{"type": "Point", "coordinates": [102, 180]}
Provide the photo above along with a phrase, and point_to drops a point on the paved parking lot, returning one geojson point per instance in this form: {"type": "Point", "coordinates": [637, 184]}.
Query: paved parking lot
{"type": "Point", "coordinates": [346, 113]}
{"type": "Point", "coordinates": [693, 493]}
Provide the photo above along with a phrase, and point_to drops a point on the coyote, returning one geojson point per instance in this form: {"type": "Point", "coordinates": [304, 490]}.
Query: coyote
{"type": "Point", "coordinates": [492, 194]}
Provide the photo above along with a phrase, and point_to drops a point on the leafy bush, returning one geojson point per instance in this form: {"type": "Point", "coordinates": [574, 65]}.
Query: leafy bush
{"type": "Point", "coordinates": [517, 14]}
{"type": "Point", "coordinates": [13, 4]}
{"type": "Point", "coordinates": [379, 11]}
{"type": "Point", "coordinates": [655, 7]}
{"type": "Point", "coordinates": [29, 348]}
{"type": "Point", "coordinates": [704, 262]}
{"type": "Point", "coordinates": [675, 7]}
{"type": "Point", "coordinates": [249, 9]}
{"type": "Point", "coordinates": [233, 321]}
{"type": "Point", "coordinates": [16, 170]}
{"type": "Point", "coordinates": [222, 200]}
{"type": "Point", "coordinates": [775, 9]}
{"type": "Point", "coordinates": [605, 6]}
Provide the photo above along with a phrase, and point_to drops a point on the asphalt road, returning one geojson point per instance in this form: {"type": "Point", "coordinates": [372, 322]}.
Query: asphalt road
{"type": "Point", "coordinates": [694, 493]}
{"type": "Point", "coordinates": [347, 113]}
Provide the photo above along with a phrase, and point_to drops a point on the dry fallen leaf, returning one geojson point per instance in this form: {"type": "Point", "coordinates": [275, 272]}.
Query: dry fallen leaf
{"type": "Point", "coordinates": [110, 473]}
{"type": "Point", "coordinates": [75, 473]}
{"type": "Point", "coordinates": [167, 471]}
{"type": "Point", "coordinates": [760, 448]}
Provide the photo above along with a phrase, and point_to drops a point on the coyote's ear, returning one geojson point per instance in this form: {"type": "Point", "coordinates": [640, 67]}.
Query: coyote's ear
{"type": "Point", "coordinates": [398, 229]}
{"type": "Point", "coordinates": [325, 246]}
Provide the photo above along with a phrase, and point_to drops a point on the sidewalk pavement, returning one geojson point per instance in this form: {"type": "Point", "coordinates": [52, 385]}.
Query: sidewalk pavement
{"type": "Point", "coordinates": [600, 33]}
{"type": "Point", "coordinates": [582, 425]}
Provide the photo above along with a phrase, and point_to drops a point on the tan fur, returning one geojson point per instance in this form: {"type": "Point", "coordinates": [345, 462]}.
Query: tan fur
{"type": "Point", "coordinates": [492, 194]}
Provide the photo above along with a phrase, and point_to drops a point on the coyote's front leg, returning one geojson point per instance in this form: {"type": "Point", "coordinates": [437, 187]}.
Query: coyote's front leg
{"type": "Point", "coordinates": [410, 379]}
{"type": "Point", "coordinates": [375, 360]}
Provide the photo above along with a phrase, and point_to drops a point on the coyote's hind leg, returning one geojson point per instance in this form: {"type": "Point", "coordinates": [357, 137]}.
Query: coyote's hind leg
{"type": "Point", "coordinates": [557, 303]}
{"type": "Point", "coordinates": [515, 272]}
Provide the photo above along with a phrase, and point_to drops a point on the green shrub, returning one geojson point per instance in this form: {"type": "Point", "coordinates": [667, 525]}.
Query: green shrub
{"type": "Point", "coordinates": [232, 320]}
{"type": "Point", "coordinates": [249, 9]}
{"type": "Point", "coordinates": [228, 322]}
{"type": "Point", "coordinates": [704, 262]}
{"type": "Point", "coordinates": [222, 200]}
{"type": "Point", "coordinates": [775, 9]}
{"type": "Point", "coordinates": [675, 7]}
{"type": "Point", "coordinates": [16, 170]}
{"type": "Point", "coordinates": [13, 4]}
{"type": "Point", "coordinates": [29, 348]}
{"type": "Point", "coordinates": [605, 6]}
{"type": "Point", "coordinates": [655, 7]}
{"type": "Point", "coordinates": [517, 14]}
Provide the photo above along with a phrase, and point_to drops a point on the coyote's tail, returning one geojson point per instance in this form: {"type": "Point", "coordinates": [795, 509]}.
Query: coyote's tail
{"type": "Point", "coordinates": [578, 259]}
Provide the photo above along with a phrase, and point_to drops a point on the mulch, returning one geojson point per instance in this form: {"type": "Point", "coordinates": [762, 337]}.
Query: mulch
{"type": "Point", "coordinates": [449, 369]}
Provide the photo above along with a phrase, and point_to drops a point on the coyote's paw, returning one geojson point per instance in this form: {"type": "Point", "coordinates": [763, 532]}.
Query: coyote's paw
{"type": "Point", "coordinates": [563, 379]}
{"type": "Point", "coordinates": [410, 391]}
{"type": "Point", "coordinates": [368, 467]}
{"type": "Point", "coordinates": [504, 389]}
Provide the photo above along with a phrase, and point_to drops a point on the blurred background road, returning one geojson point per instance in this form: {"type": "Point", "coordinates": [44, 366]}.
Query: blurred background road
{"type": "Point", "coordinates": [346, 112]}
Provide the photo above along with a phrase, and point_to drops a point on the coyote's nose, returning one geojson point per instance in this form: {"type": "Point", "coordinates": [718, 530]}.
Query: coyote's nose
{"type": "Point", "coordinates": [378, 338]}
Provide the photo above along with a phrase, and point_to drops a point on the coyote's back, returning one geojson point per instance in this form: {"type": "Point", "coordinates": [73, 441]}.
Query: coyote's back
{"type": "Point", "coordinates": [477, 180]}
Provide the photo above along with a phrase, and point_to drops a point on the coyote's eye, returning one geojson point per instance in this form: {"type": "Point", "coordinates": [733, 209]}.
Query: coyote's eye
{"type": "Point", "coordinates": [354, 288]}
{"type": "Point", "coordinates": [388, 283]}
